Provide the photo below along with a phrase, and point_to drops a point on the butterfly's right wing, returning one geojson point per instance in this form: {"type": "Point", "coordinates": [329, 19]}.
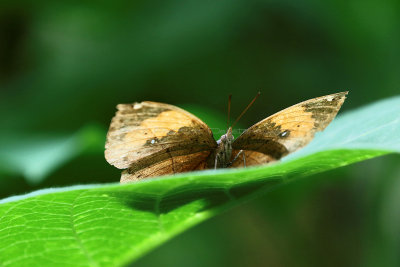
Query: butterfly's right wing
{"type": "Point", "coordinates": [288, 130]}
{"type": "Point", "coordinates": [251, 158]}
{"type": "Point", "coordinates": [150, 139]}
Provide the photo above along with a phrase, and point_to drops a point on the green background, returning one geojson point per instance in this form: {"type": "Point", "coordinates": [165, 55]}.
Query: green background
{"type": "Point", "coordinates": [65, 65]}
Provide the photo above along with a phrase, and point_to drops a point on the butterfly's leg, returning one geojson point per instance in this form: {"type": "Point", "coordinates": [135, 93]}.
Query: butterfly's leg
{"type": "Point", "coordinates": [235, 158]}
{"type": "Point", "coordinates": [216, 161]}
{"type": "Point", "coordinates": [244, 159]}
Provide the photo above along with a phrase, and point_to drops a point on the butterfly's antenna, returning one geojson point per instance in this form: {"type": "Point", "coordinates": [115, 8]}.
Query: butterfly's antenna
{"type": "Point", "coordinates": [229, 110]}
{"type": "Point", "coordinates": [248, 106]}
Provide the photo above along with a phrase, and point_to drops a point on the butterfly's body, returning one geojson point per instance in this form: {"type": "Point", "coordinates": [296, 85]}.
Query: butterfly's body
{"type": "Point", "coordinates": [152, 139]}
{"type": "Point", "coordinates": [221, 158]}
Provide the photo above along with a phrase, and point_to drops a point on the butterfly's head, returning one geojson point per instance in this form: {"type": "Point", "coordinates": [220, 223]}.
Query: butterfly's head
{"type": "Point", "coordinates": [226, 138]}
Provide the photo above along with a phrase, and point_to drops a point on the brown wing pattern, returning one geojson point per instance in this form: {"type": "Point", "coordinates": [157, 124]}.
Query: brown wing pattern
{"type": "Point", "coordinates": [147, 134]}
{"type": "Point", "coordinates": [290, 129]}
{"type": "Point", "coordinates": [177, 164]}
{"type": "Point", "coordinates": [252, 158]}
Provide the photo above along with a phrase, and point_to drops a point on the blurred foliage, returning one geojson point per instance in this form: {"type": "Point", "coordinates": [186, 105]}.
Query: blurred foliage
{"type": "Point", "coordinates": [64, 65]}
{"type": "Point", "coordinates": [35, 157]}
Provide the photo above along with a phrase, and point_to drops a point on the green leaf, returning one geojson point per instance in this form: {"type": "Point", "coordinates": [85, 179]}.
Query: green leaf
{"type": "Point", "coordinates": [37, 156]}
{"type": "Point", "coordinates": [108, 225]}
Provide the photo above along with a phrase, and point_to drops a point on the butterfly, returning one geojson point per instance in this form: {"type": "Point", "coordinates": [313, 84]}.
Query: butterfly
{"type": "Point", "coordinates": [152, 139]}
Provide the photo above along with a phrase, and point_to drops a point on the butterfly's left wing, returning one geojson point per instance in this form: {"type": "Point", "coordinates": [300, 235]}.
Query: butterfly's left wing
{"type": "Point", "coordinates": [171, 165]}
{"type": "Point", "coordinates": [288, 130]}
{"type": "Point", "coordinates": [150, 139]}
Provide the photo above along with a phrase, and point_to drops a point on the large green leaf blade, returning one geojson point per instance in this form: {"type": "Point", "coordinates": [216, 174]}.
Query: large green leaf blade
{"type": "Point", "coordinates": [108, 225]}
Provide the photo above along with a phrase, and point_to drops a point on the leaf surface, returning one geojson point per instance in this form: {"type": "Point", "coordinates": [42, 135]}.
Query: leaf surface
{"type": "Point", "coordinates": [112, 224]}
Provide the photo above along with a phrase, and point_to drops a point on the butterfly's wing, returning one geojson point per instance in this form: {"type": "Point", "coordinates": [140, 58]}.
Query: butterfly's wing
{"type": "Point", "coordinates": [250, 158]}
{"type": "Point", "coordinates": [150, 139]}
{"type": "Point", "coordinates": [174, 164]}
{"type": "Point", "coordinates": [288, 130]}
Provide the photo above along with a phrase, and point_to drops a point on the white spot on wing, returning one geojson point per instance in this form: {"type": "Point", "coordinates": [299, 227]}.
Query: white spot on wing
{"type": "Point", "coordinates": [330, 98]}
{"type": "Point", "coordinates": [137, 106]}
{"type": "Point", "coordinates": [153, 141]}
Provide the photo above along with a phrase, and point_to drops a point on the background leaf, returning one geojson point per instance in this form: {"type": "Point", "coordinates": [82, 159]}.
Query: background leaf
{"type": "Point", "coordinates": [114, 224]}
{"type": "Point", "coordinates": [35, 157]}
